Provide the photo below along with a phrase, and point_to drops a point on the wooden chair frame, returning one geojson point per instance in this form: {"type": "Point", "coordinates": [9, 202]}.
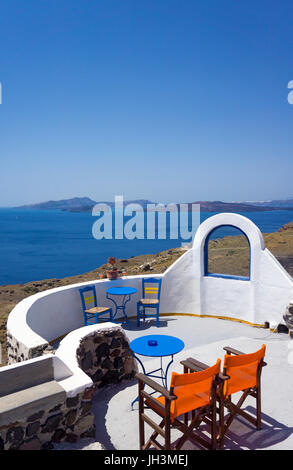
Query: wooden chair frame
{"type": "Point", "coordinates": [156, 305]}
{"type": "Point", "coordinates": [92, 317]}
{"type": "Point", "coordinates": [206, 414]}
{"type": "Point", "coordinates": [235, 408]}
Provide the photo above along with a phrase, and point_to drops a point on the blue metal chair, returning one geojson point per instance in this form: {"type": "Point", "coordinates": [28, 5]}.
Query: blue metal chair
{"type": "Point", "coordinates": [151, 291]}
{"type": "Point", "coordinates": [91, 311]}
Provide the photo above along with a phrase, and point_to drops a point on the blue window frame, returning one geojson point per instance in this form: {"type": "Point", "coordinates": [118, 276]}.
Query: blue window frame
{"type": "Point", "coordinates": [206, 256]}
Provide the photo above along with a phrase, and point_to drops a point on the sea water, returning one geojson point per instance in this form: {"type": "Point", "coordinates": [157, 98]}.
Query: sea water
{"type": "Point", "coordinates": [37, 245]}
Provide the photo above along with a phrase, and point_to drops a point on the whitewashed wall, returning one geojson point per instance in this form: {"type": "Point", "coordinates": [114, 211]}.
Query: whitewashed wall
{"type": "Point", "coordinates": [262, 298]}
{"type": "Point", "coordinates": [43, 317]}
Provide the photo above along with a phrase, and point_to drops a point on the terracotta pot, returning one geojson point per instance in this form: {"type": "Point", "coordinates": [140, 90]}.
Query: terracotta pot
{"type": "Point", "coordinates": [112, 274]}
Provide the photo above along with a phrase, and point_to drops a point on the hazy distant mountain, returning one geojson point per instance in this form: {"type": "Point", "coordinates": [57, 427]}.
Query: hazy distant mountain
{"type": "Point", "coordinates": [280, 203]}
{"type": "Point", "coordinates": [85, 204]}
{"type": "Point", "coordinates": [89, 207]}
{"type": "Point", "coordinates": [220, 206]}
{"type": "Point", "coordinates": [78, 204]}
{"type": "Point", "coordinates": [64, 204]}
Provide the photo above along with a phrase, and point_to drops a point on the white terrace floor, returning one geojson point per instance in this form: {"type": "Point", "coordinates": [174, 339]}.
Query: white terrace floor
{"type": "Point", "coordinates": [117, 424]}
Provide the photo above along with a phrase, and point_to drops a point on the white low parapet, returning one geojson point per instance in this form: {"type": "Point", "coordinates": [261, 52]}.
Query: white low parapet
{"type": "Point", "coordinates": [42, 318]}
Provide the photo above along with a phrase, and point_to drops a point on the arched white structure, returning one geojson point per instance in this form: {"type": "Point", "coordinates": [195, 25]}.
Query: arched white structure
{"type": "Point", "coordinates": [250, 230]}
{"type": "Point", "coordinates": [261, 298]}
{"type": "Point", "coordinates": [41, 318]}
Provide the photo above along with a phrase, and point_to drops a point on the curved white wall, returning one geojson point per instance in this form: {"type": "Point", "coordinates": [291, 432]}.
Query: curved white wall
{"type": "Point", "coordinates": [43, 317]}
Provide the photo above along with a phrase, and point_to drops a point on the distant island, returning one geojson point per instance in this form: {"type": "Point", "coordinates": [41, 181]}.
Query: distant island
{"type": "Point", "coordinates": [279, 203]}
{"type": "Point", "coordinates": [79, 204]}
{"type": "Point", "coordinates": [85, 204]}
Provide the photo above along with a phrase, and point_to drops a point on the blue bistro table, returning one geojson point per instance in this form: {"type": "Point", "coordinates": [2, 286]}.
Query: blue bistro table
{"type": "Point", "coordinates": [156, 346]}
{"type": "Point", "coordinates": [126, 293]}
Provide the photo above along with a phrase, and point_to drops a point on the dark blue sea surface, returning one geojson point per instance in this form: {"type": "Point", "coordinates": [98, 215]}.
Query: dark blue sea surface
{"type": "Point", "coordinates": [37, 245]}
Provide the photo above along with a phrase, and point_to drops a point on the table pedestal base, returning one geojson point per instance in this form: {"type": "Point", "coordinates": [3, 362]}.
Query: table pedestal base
{"type": "Point", "coordinates": [122, 307]}
{"type": "Point", "coordinates": [163, 376]}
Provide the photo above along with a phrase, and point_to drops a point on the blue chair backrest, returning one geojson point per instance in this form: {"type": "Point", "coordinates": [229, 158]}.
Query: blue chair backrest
{"type": "Point", "coordinates": [151, 288]}
{"type": "Point", "coordinates": [88, 297]}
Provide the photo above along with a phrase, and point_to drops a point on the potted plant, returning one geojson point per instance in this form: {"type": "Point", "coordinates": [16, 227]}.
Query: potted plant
{"type": "Point", "coordinates": [112, 271]}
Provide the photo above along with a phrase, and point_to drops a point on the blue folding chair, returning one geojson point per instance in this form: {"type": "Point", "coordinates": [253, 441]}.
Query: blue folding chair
{"type": "Point", "coordinates": [91, 311]}
{"type": "Point", "coordinates": [151, 290]}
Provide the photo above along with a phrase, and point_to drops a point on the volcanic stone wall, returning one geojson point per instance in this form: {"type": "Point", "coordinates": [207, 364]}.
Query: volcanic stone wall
{"type": "Point", "coordinates": [66, 421]}
{"type": "Point", "coordinates": [17, 352]}
{"type": "Point", "coordinates": [106, 358]}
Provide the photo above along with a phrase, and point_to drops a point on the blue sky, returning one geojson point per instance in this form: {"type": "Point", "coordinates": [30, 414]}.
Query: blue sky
{"type": "Point", "coordinates": [169, 100]}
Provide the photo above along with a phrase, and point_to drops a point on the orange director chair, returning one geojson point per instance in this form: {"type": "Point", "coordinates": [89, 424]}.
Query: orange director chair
{"type": "Point", "coordinates": [194, 392]}
{"type": "Point", "coordinates": [241, 373]}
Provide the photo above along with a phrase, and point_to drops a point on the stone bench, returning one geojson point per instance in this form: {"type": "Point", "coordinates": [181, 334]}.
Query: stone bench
{"type": "Point", "coordinates": [44, 400]}
{"type": "Point", "coordinates": [48, 399]}
{"type": "Point", "coordinates": [27, 389]}
{"type": "Point", "coordinates": [15, 406]}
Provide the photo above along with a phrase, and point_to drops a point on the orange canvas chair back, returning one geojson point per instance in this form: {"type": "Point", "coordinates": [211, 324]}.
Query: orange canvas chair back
{"type": "Point", "coordinates": [242, 370]}
{"type": "Point", "coordinates": [193, 390]}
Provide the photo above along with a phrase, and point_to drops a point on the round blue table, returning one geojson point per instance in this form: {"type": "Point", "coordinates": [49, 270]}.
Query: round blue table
{"type": "Point", "coordinates": [126, 293]}
{"type": "Point", "coordinates": [156, 346]}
